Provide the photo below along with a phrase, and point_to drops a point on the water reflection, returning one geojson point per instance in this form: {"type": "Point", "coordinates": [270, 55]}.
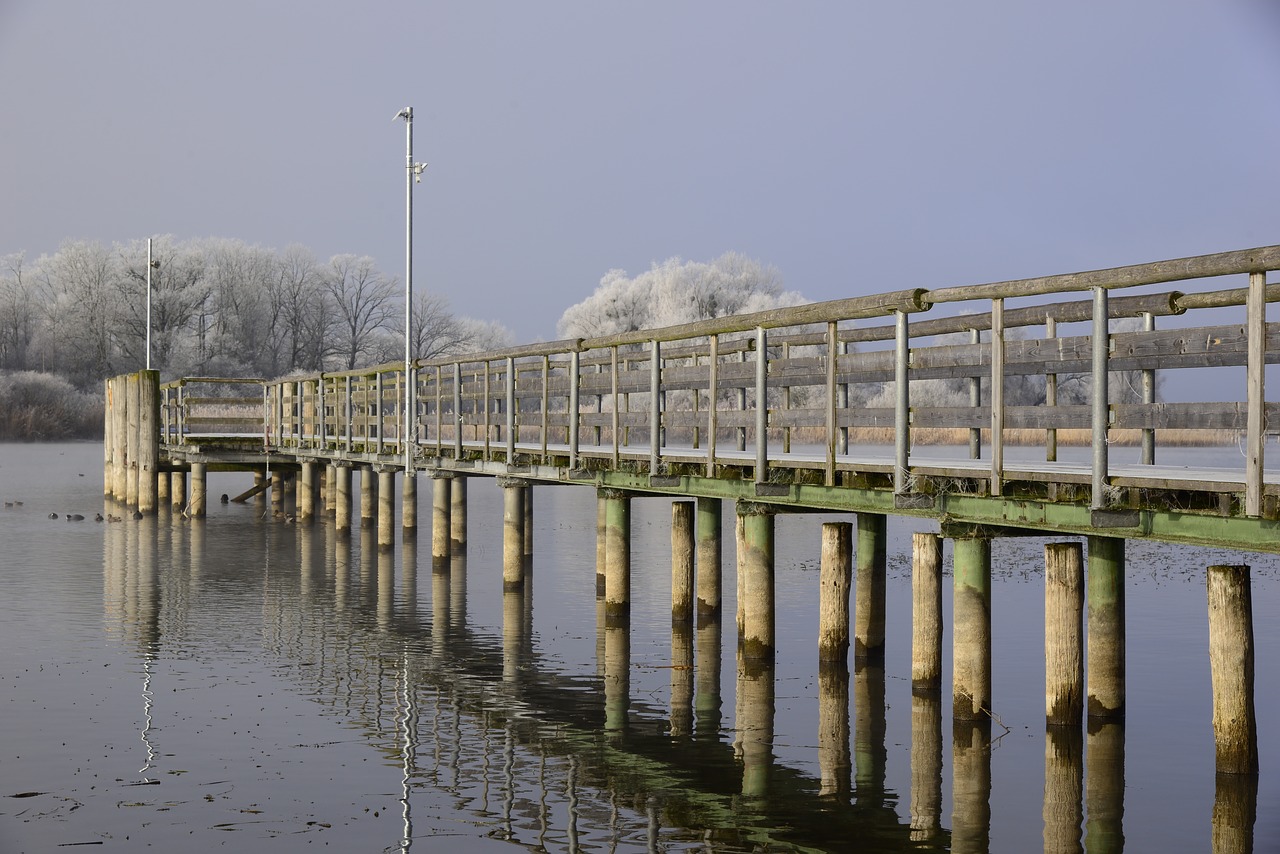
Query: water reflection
{"type": "Point", "coordinates": [490, 722]}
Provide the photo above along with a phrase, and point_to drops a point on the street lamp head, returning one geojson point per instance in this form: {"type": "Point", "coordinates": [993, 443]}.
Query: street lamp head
{"type": "Point", "coordinates": [418, 169]}
{"type": "Point", "coordinates": [406, 114]}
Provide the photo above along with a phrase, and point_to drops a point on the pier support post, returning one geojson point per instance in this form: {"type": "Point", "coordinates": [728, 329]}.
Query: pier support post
{"type": "Point", "coordinates": [133, 408]}
{"type": "Point", "coordinates": [119, 438]}
{"type": "Point", "coordinates": [163, 483]}
{"type": "Point", "coordinates": [148, 439]}
{"type": "Point", "coordinates": [1235, 728]}
{"type": "Point", "coordinates": [869, 598]}
{"type": "Point", "coordinates": [835, 574]}
{"type": "Point", "coordinates": [926, 613]}
{"type": "Point", "coordinates": [277, 492]}
{"type": "Point", "coordinates": [755, 551]}
{"type": "Point", "coordinates": [709, 572]}
{"type": "Point", "coordinates": [617, 558]}
{"type": "Point", "coordinates": [178, 490]}
{"type": "Point", "coordinates": [971, 639]}
{"type": "Point", "coordinates": [307, 491]}
{"type": "Point", "coordinates": [108, 443]}
{"type": "Point", "coordinates": [368, 496]}
{"type": "Point", "coordinates": [682, 556]}
{"type": "Point", "coordinates": [1063, 634]}
{"type": "Point", "coordinates": [409, 506]}
{"type": "Point", "coordinates": [342, 502]}
{"type": "Point", "coordinates": [1106, 643]}
{"type": "Point", "coordinates": [440, 549]}
{"type": "Point", "coordinates": [386, 509]}
{"type": "Point", "coordinates": [198, 490]}
{"type": "Point", "coordinates": [512, 533]}
{"type": "Point", "coordinates": [602, 549]}
{"type": "Point", "coordinates": [528, 526]}
{"type": "Point", "coordinates": [329, 488]}
{"type": "Point", "coordinates": [458, 514]}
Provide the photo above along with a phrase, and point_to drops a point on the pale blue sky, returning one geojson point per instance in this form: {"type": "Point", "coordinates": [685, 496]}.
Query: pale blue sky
{"type": "Point", "coordinates": [857, 147]}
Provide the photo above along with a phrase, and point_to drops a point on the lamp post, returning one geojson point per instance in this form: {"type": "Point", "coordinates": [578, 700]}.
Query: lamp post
{"type": "Point", "coordinates": [413, 173]}
{"type": "Point", "coordinates": [151, 265]}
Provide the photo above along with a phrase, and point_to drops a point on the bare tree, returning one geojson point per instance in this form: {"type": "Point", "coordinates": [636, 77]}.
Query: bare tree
{"type": "Point", "coordinates": [362, 299]}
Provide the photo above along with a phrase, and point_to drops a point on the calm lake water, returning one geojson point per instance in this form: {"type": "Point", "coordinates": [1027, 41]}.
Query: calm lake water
{"type": "Point", "coordinates": [249, 684]}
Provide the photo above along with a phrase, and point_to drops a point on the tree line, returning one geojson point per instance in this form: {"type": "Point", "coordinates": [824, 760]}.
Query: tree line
{"type": "Point", "coordinates": [219, 306]}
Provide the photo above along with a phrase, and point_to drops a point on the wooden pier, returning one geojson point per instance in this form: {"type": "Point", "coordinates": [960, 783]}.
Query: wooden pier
{"type": "Point", "coordinates": [766, 410]}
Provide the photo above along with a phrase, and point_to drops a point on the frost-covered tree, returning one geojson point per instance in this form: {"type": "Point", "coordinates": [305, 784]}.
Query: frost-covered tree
{"type": "Point", "coordinates": [19, 314]}
{"type": "Point", "coordinates": [675, 292]}
{"type": "Point", "coordinates": [363, 304]}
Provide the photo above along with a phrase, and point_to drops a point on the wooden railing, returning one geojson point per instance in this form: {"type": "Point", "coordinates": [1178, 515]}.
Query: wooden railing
{"type": "Point", "coordinates": [748, 389]}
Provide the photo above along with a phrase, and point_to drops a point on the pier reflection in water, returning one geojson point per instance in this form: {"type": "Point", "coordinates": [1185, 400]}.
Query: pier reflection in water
{"type": "Point", "coordinates": [524, 715]}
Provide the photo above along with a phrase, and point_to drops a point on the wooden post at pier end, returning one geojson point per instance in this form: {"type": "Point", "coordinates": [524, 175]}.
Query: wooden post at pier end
{"type": "Point", "coordinates": [307, 491]}
{"type": "Point", "coordinates": [1063, 634]}
{"type": "Point", "coordinates": [199, 491]}
{"type": "Point", "coordinates": [708, 564]}
{"type": "Point", "coordinates": [617, 556]}
{"type": "Point", "coordinates": [108, 399]}
{"type": "Point", "coordinates": [133, 409]}
{"type": "Point", "coordinates": [869, 597]}
{"type": "Point", "coordinates": [835, 573]}
{"type": "Point", "coordinates": [386, 509]}
{"type": "Point", "coordinates": [1106, 641]}
{"type": "Point", "coordinates": [1235, 727]}
{"type": "Point", "coordinates": [440, 513]}
{"type": "Point", "coordinates": [409, 506]}
{"type": "Point", "coordinates": [755, 550]}
{"type": "Point", "coordinates": [458, 515]}
{"type": "Point", "coordinates": [926, 613]}
{"type": "Point", "coordinates": [512, 533]}
{"type": "Point", "coordinates": [971, 621]}
{"type": "Point", "coordinates": [148, 439]}
{"type": "Point", "coordinates": [342, 500]}
{"type": "Point", "coordinates": [119, 438]}
{"type": "Point", "coordinates": [682, 566]}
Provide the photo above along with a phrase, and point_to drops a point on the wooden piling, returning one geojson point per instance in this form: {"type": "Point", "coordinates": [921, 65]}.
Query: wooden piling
{"type": "Point", "coordinates": [512, 533]}
{"type": "Point", "coordinates": [108, 443]}
{"type": "Point", "coordinates": [971, 621]}
{"type": "Point", "coordinates": [386, 509]}
{"type": "Point", "coordinates": [869, 597]}
{"type": "Point", "coordinates": [458, 514]}
{"type": "Point", "coordinates": [409, 505]}
{"type": "Point", "coordinates": [528, 526]}
{"type": "Point", "coordinates": [148, 440]}
{"type": "Point", "coordinates": [617, 582]}
{"type": "Point", "coordinates": [119, 438]}
{"type": "Point", "coordinates": [178, 490]}
{"type": "Point", "coordinates": [1063, 634]}
{"type": "Point", "coordinates": [199, 491]}
{"type": "Point", "coordinates": [1106, 643]}
{"type": "Point", "coordinates": [307, 491]}
{"type": "Point", "coordinates": [342, 502]}
{"type": "Point", "coordinates": [835, 573]}
{"type": "Point", "coordinates": [1235, 727]}
{"type": "Point", "coordinates": [926, 613]}
{"type": "Point", "coordinates": [756, 553]}
{"type": "Point", "coordinates": [368, 496]}
{"type": "Point", "coordinates": [440, 508]}
{"type": "Point", "coordinates": [133, 438]}
{"type": "Point", "coordinates": [682, 555]}
{"type": "Point", "coordinates": [708, 564]}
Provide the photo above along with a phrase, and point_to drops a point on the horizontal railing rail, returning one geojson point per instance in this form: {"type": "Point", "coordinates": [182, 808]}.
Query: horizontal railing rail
{"type": "Point", "coordinates": [745, 390]}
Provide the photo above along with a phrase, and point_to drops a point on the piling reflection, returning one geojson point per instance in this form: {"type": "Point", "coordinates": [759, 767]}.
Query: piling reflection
{"type": "Point", "coordinates": [755, 719]}
{"type": "Point", "coordinates": [515, 634]}
{"type": "Point", "coordinates": [870, 756]}
{"type": "Point", "coordinates": [707, 702]}
{"type": "Point", "coordinates": [926, 767]}
{"type": "Point", "coordinates": [1104, 788]}
{"type": "Point", "coordinates": [617, 677]}
{"type": "Point", "coordinates": [970, 785]}
{"type": "Point", "coordinates": [835, 763]}
{"type": "Point", "coordinates": [681, 722]}
{"type": "Point", "coordinates": [1235, 810]}
{"type": "Point", "coordinates": [1063, 790]}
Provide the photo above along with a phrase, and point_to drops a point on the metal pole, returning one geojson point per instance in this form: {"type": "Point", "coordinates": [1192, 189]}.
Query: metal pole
{"type": "Point", "coordinates": [902, 403]}
{"type": "Point", "coordinates": [413, 171]}
{"type": "Point", "coordinates": [148, 303]}
{"type": "Point", "coordinates": [1101, 347]}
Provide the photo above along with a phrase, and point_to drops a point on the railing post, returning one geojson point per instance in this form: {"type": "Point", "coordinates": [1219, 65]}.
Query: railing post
{"type": "Point", "coordinates": [1101, 346]}
{"type": "Point", "coordinates": [546, 400]}
{"type": "Point", "coordinates": [613, 379]}
{"type": "Point", "coordinates": [833, 346]}
{"type": "Point", "coordinates": [842, 401]}
{"type": "Point", "coordinates": [1050, 396]}
{"type": "Point", "coordinates": [713, 379]}
{"type": "Point", "coordinates": [348, 411]}
{"type": "Point", "coordinates": [575, 367]}
{"type": "Point", "coordinates": [975, 401]}
{"type": "Point", "coordinates": [902, 404]}
{"type": "Point", "coordinates": [1149, 398]}
{"type": "Point", "coordinates": [487, 403]}
{"type": "Point", "coordinates": [511, 409]}
{"type": "Point", "coordinates": [997, 395]}
{"type": "Point", "coordinates": [762, 405]}
{"type": "Point", "coordinates": [655, 406]}
{"type": "Point", "coordinates": [1256, 322]}
{"type": "Point", "coordinates": [457, 410]}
